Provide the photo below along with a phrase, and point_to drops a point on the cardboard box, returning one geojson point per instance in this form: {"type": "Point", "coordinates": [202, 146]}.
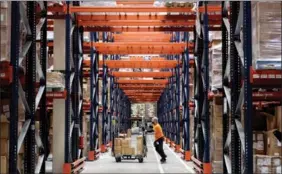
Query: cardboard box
{"type": "Point", "coordinates": [4, 130]}
{"type": "Point", "coordinates": [273, 144]}
{"type": "Point", "coordinates": [4, 162]}
{"type": "Point", "coordinates": [217, 167]}
{"type": "Point", "coordinates": [125, 142]}
{"type": "Point", "coordinates": [217, 110]}
{"type": "Point", "coordinates": [117, 141]}
{"type": "Point", "coordinates": [217, 142]}
{"type": "Point", "coordinates": [271, 122]}
{"type": "Point", "coordinates": [128, 151]}
{"type": "Point", "coordinates": [266, 163]}
{"type": "Point", "coordinates": [118, 149]}
{"type": "Point", "coordinates": [217, 122]}
{"type": "Point", "coordinates": [258, 143]}
{"type": "Point", "coordinates": [4, 145]}
{"type": "Point", "coordinates": [140, 145]}
{"type": "Point", "coordinates": [217, 155]}
{"type": "Point", "coordinates": [278, 114]}
{"type": "Point", "coordinates": [128, 132]}
{"type": "Point", "coordinates": [4, 106]}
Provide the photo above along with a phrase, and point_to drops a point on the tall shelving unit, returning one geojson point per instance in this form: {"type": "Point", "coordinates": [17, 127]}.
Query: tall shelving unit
{"type": "Point", "coordinates": [186, 100]}
{"type": "Point", "coordinates": [237, 94]}
{"type": "Point", "coordinates": [238, 67]}
{"type": "Point", "coordinates": [33, 96]}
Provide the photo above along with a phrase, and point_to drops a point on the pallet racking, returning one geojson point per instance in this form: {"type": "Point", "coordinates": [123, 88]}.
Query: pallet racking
{"type": "Point", "coordinates": [235, 93]}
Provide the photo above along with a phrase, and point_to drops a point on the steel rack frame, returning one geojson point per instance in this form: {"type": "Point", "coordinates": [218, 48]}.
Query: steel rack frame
{"type": "Point", "coordinates": [113, 100]}
{"type": "Point", "coordinates": [185, 100]}
{"type": "Point", "coordinates": [177, 99]}
{"type": "Point", "coordinates": [237, 68]}
{"type": "Point", "coordinates": [94, 106]}
{"type": "Point", "coordinates": [105, 114]}
{"type": "Point", "coordinates": [31, 100]}
{"type": "Point", "coordinates": [73, 99]}
{"type": "Point", "coordinates": [77, 95]}
{"type": "Point", "coordinates": [201, 156]}
{"type": "Point", "coordinates": [124, 110]}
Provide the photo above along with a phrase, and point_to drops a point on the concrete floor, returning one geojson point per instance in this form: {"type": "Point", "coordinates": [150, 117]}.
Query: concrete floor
{"type": "Point", "coordinates": [107, 164]}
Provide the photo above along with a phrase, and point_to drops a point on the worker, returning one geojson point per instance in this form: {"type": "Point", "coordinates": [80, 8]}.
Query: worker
{"type": "Point", "coordinates": [159, 139]}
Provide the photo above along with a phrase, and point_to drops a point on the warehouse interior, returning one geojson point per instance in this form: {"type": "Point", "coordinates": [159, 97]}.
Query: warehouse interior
{"type": "Point", "coordinates": [81, 81]}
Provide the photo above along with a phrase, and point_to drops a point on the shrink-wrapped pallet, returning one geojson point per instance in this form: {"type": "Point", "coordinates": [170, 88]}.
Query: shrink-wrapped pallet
{"type": "Point", "coordinates": [266, 31]}
{"type": "Point", "coordinates": [215, 67]}
{"type": "Point", "coordinates": [55, 80]}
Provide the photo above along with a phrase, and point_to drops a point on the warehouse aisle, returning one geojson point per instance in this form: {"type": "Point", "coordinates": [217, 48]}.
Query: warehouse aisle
{"type": "Point", "coordinates": [107, 164]}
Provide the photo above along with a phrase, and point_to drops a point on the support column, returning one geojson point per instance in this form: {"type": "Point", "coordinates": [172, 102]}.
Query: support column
{"type": "Point", "coordinates": [94, 99]}
{"type": "Point", "coordinates": [15, 55]}
{"type": "Point", "coordinates": [185, 98]}
{"type": "Point", "coordinates": [59, 112]}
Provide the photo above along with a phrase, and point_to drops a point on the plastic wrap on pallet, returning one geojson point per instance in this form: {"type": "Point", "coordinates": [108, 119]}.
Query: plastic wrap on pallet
{"type": "Point", "coordinates": [5, 28]}
{"type": "Point", "coordinates": [86, 90]}
{"type": "Point", "coordinates": [179, 4]}
{"type": "Point", "coordinates": [215, 65]}
{"type": "Point", "coordinates": [266, 26]}
{"type": "Point", "coordinates": [55, 80]}
{"type": "Point", "coordinates": [99, 3]}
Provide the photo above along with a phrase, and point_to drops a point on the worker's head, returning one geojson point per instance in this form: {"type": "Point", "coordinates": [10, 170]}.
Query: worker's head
{"type": "Point", "coordinates": [155, 120]}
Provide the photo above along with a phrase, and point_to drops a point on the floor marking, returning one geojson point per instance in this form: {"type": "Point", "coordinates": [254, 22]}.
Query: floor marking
{"type": "Point", "coordinates": [178, 157]}
{"type": "Point", "coordinates": [158, 160]}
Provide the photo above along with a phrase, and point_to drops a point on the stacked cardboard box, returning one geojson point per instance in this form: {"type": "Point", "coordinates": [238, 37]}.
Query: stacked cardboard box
{"type": "Point", "coordinates": [258, 143]}
{"type": "Point", "coordinates": [267, 164]}
{"type": "Point", "coordinates": [278, 114]}
{"type": "Point", "coordinates": [117, 146]}
{"type": "Point", "coordinates": [4, 145]}
{"type": "Point", "coordinates": [128, 133]}
{"type": "Point", "coordinates": [273, 145]}
{"type": "Point", "coordinates": [123, 146]}
{"type": "Point", "coordinates": [216, 137]}
{"type": "Point", "coordinates": [266, 31]}
{"type": "Point", "coordinates": [5, 30]}
{"type": "Point", "coordinates": [140, 145]}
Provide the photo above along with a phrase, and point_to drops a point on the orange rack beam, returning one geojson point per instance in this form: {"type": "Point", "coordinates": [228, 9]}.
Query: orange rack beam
{"type": "Point", "coordinates": [142, 74]}
{"type": "Point", "coordinates": [142, 94]}
{"type": "Point", "coordinates": [141, 29]}
{"type": "Point", "coordinates": [142, 17]}
{"type": "Point", "coordinates": [141, 86]}
{"type": "Point", "coordinates": [142, 81]}
{"type": "Point", "coordinates": [137, 44]}
{"type": "Point", "coordinates": [138, 63]}
{"type": "Point", "coordinates": [124, 9]}
{"type": "Point", "coordinates": [146, 9]}
{"type": "Point", "coordinates": [142, 38]}
{"type": "Point", "coordinates": [150, 23]}
{"type": "Point", "coordinates": [130, 91]}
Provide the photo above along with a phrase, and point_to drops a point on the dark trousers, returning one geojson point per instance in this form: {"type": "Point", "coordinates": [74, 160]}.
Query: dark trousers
{"type": "Point", "coordinates": [159, 147]}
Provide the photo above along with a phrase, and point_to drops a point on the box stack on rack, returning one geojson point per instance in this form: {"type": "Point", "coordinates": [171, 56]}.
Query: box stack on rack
{"type": "Point", "coordinates": [266, 30]}
{"type": "Point", "coordinates": [4, 29]}
{"type": "Point", "coordinates": [4, 145]}
{"type": "Point", "coordinates": [267, 144]}
{"type": "Point", "coordinates": [216, 137]}
{"type": "Point", "coordinates": [267, 164]}
{"type": "Point", "coordinates": [216, 65]}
